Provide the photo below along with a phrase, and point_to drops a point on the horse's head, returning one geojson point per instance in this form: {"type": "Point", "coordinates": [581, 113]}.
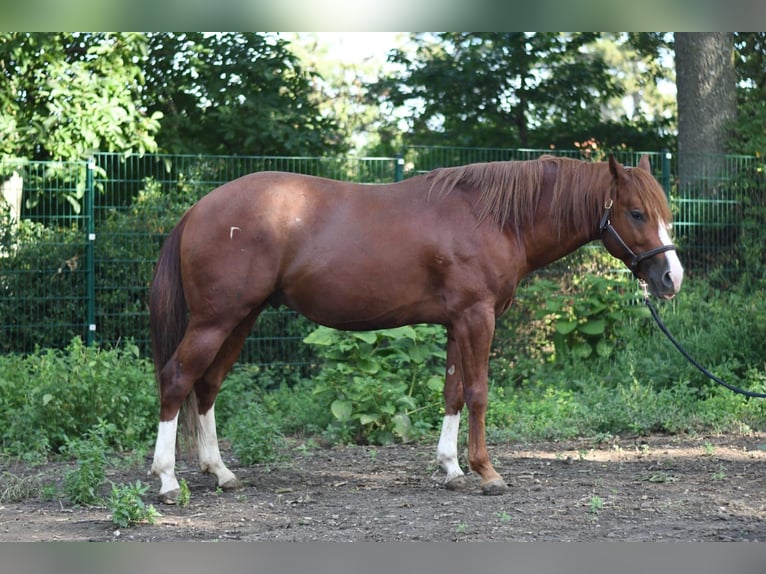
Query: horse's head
{"type": "Point", "coordinates": [635, 228]}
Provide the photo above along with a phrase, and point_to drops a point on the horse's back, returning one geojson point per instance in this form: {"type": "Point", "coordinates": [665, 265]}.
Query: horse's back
{"type": "Point", "coordinates": [343, 254]}
{"type": "Point", "coordinates": [294, 239]}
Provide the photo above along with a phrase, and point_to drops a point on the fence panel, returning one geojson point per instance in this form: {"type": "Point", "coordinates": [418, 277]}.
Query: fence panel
{"type": "Point", "coordinates": [710, 219]}
{"type": "Point", "coordinates": [85, 247]}
{"type": "Point", "coordinates": [43, 256]}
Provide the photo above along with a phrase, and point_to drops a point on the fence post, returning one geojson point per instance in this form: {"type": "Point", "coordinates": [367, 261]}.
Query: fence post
{"type": "Point", "coordinates": [399, 168]}
{"type": "Point", "coordinates": [666, 155]}
{"type": "Point", "coordinates": [90, 252]}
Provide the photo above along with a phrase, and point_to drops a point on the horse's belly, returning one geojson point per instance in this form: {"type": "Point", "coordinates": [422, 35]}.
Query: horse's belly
{"type": "Point", "coordinates": [371, 303]}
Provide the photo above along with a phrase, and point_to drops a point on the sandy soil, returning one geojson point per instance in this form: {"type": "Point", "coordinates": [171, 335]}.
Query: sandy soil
{"type": "Point", "coordinates": [639, 489]}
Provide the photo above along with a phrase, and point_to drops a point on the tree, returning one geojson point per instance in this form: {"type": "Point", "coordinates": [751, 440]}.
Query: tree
{"type": "Point", "coordinates": [640, 61]}
{"type": "Point", "coordinates": [340, 90]}
{"type": "Point", "coordinates": [707, 104]}
{"type": "Point", "coordinates": [509, 90]}
{"type": "Point", "coordinates": [234, 93]}
{"type": "Point", "coordinates": [64, 96]}
{"type": "Point", "coordinates": [750, 132]}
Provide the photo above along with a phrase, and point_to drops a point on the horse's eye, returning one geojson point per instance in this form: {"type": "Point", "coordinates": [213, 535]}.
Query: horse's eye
{"type": "Point", "coordinates": [636, 215]}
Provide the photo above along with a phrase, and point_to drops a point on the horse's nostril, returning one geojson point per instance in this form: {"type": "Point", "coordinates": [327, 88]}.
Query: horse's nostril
{"type": "Point", "coordinates": [667, 279]}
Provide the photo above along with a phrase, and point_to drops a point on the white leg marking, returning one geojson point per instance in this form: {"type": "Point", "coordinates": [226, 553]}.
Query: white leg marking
{"type": "Point", "coordinates": [676, 269]}
{"type": "Point", "coordinates": [209, 455]}
{"type": "Point", "coordinates": [446, 452]}
{"type": "Point", "coordinates": [165, 455]}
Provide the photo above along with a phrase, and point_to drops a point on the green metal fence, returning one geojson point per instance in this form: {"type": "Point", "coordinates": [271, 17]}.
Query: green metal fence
{"type": "Point", "coordinates": [78, 261]}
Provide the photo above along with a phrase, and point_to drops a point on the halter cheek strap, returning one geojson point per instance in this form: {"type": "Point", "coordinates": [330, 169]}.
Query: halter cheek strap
{"type": "Point", "coordinates": [605, 226]}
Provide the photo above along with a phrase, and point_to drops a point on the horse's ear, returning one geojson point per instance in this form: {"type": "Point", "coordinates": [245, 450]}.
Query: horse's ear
{"type": "Point", "coordinates": [644, 164]}
{"type": "Point", "coordinates": [615, 168]}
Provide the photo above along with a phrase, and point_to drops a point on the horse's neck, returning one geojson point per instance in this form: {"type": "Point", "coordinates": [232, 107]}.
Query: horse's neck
{"type": "Point", "coordinates": [545, 243]}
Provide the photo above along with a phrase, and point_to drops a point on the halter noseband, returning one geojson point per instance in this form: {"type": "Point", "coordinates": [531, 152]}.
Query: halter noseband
{"type": "Point", "coordinates": [606, 226]}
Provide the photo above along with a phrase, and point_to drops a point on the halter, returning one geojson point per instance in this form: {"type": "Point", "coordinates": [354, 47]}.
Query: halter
{"type": "Point", "coordinates": [606, 226]}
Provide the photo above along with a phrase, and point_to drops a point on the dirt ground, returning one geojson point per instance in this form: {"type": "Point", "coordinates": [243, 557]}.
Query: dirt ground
{"type": "Point", "coordinates": [639, 489]}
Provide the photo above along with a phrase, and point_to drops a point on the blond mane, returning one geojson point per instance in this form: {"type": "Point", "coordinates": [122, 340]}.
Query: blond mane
{"type": "Point", "coordinates": [509, 192]}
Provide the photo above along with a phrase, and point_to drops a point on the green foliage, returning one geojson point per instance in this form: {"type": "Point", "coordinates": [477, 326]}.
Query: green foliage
{"type": "Point", "coordinates": [531, 90]}
{"type": "Point", "coordinates": [184, 494]}
{"type": "Point", "coordinates": [585, 318]}
{"type": "Point", "coordinates": [65, 96]}
{"type": "Point", "coordinates": [750, 239]}
{"type": "Point", "coordinates": [377, 387]}
{"type": "Point", "coordinates": [68, 95]}
{"type": "Point", "coordinates": [750, 63]}
{"type": "Point", "coordinates": [645, 385]}
{"type": "Point", "coordinates": [255, 437]}
{"type": "Point", "coordinates": [82, 485]}
{"type": "Point", "coordinates": [127, 505]}
{"type": "Point", "coordinates": [235, 93]}
{"type": "Point", "coordinates": [57, 396]}
{"type": "Point", "coordinates": [381, 386]}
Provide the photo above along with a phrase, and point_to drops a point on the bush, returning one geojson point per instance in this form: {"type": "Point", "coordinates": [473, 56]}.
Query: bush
{"type": "Point", "coordinates": [255, 437]}
{"type": "Point", "coordinates": [645, 385]}
{"type": "Point", "coordinates": [381, 386]}
{"type": "Point", "coordinates": [58, 396]}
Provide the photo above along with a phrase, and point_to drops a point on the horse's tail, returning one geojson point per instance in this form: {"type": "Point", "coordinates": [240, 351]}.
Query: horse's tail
{"type": "Point", "coordinates": [168, 321]}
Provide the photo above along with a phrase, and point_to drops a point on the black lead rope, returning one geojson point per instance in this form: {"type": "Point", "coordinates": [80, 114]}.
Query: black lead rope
{"type": "Point", "coordinates": [689, 358]}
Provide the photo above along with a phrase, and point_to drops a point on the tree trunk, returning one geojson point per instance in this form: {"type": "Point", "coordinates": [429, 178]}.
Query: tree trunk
{"type": "Point", "coordinates": [707, 106]}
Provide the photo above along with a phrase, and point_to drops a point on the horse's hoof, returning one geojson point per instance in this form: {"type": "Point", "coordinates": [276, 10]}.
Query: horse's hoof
{"type": "Point", "coordinates": [460, 482]}
{"type": "Point", "coordinates": [494, 487]}
{"type": "Point", "coordinates": [232, 485]}
{"type": "Point", "coordinates": [170, 497]}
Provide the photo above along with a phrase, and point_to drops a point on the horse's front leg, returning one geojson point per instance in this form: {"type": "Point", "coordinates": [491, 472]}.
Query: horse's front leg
{"type": "Point", "coordinates": [446, 452]}
{"type": "Point", "coordinates": [473, 336]}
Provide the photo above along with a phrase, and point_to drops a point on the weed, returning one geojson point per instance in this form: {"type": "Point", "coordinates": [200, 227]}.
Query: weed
{"type": "Point", "coordinates": [184, 495]}
{"type": "Point", "coordinates": [307, 447]}
{"type": "Point", "coordinates": [127, 505]}
{"type": "Point", "coordinates": [596, 504]}
{"type": "Point", "coordinates": [82, 485]}
{"type": "Point", "coordinates": [255, 437]}
{"type": "Point", "coordinates": [49, 491]}
{"type": "Point", "coordinates": [503, 516]}
{"type": "Point", "coordinates": [57, 395]}
{"type": "Point", "coordinates": [660, 477]}
{"type": "Point", "coordinates": [720, 474]}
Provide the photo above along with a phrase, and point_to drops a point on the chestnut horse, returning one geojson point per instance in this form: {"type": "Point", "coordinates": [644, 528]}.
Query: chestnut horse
{"type": "Point", "coordinates": [448, 247]}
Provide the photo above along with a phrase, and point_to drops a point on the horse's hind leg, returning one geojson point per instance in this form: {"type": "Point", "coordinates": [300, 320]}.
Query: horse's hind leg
{"type": "Point", "coordinates": [206, 390]}
{"type": "Point", "coordinates": [191, 359]}
{"type": "Point", "coordinates": [198, 350]}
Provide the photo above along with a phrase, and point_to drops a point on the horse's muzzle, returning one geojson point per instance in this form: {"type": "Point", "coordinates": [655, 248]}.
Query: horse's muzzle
{"type": "Point", "coordinates": [663, 275]}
